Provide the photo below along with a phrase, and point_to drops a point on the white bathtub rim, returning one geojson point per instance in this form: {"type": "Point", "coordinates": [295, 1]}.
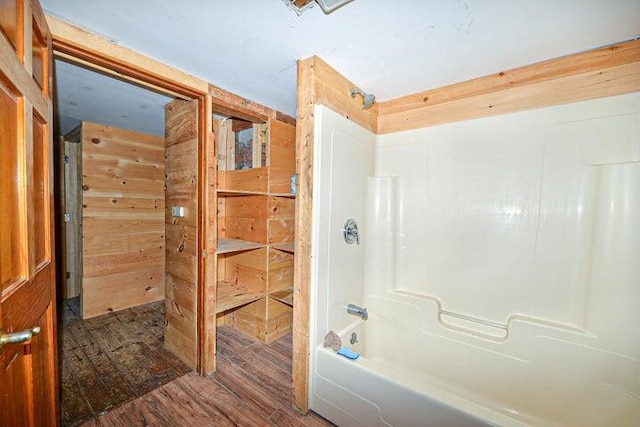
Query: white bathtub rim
{"type": "Point", "coordinates": [480, 410]}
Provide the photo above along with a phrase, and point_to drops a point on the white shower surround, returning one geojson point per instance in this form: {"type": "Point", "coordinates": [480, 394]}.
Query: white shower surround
{"type": "Point", "coordinates": [499, 265]}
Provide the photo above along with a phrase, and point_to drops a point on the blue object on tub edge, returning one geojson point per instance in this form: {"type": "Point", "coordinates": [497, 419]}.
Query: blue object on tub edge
{"type": "Point", "coordinates": [349, 354]}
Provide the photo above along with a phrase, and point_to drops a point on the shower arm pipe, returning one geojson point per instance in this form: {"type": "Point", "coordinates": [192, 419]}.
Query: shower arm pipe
{"type": "Point", "coordinates": [368, 99]}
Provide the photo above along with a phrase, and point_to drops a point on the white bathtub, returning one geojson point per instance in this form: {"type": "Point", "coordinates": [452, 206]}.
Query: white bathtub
{"type": "Point", "coordinates": [416, 369]}
{"type": "Point", "coordinates": [369, 393]}
{"type": "Point", "coordinates": [498, 262]}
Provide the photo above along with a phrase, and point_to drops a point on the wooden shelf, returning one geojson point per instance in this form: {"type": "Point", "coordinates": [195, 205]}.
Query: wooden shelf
{"type": "Point", "coordinates": [222, 192]}
{"type": "Point", "coordinates": [240, 193]}
{"type": "Point", "coordinates": [228, 297]}
{"type": "Point", "coordinates": [286, 247]}
{"type": "Point", "coordinates": [234, 245]}
{"type": "Point", "coordinates": [285, 296]}
{"type": "Point", "coordinates": [287, 195]}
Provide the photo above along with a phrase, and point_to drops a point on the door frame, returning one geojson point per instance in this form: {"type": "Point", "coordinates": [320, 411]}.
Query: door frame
{"type": "Point", "coordinates": [98, 53]}
{"type": "Point", "coordinates": [94, 52]}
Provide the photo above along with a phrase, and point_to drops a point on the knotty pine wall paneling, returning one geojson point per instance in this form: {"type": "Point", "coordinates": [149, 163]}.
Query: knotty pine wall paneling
{"type": "Point", "coordinates": [181, 161]}
{"type": "Point", "coordinates": [123, 235]}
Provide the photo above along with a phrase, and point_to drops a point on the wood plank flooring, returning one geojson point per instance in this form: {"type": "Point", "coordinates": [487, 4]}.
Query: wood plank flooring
{"type": "Point", "coordinates": [252, 387]}
{"type": "Point", "coordinates": [111, 359]}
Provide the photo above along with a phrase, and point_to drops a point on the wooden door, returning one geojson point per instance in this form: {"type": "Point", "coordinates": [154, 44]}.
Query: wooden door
{"type": "Point", "coordinates": [27, 277]}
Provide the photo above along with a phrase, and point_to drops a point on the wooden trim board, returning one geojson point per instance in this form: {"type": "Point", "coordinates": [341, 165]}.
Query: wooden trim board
{"type": "Point", "coordinates": [232, 105]}
{"type": "Point", "coordinates": [302, 257]}
{"type": "Point", "coordinates": [101, 53]}
{"type": "Point", "coordinates": [318, 83]}
{"type": "Point", "coordinates": [333, 90]}
{"type": "Point", "coordinates": [608, 71]}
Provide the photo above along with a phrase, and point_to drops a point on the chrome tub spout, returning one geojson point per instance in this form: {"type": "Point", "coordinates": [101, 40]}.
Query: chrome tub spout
{"type": "Point", "coordinates": [358, 311]}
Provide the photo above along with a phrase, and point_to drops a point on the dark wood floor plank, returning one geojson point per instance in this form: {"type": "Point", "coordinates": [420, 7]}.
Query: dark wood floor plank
{"type": "Point", "coordinates": [139, 324]}
{"type": "Point", "coordinates": [110, 359]}
{"type": "Point", "coordinates": [283, 346]}
{"type": "Point", "coordinates": [131, 353]}
{"type": "Point", "coordinates": [278, 359]}
{"type": "Point", "coordinates": [156, 412]}
{"type": "Point", "coordinates": [231, 342]}
{"type": "Point", "coordinates": [283, 418]}
{"type": "Point", "coordinates": [252, 385]}
{"type": "Point", "coordinates": [118, 387]}
{"type": "Point", "coordinates": [115, 418]}
{"type": "Point", "coordinates": [201, 413]}
{"type": "Point", "coordinates": [246, 386]}
{"type": "Point", "coordinates": [288, 417]}
{"type": "Point", "coordinates": [141, 362]}
{"type": "Point", "coordinates": [72, 397]}
{"type": "Point", "coordinates": [213, 398]}
{"type": "Point", "coordinates": [276, 382]}
{"type": "Point", "coordinates": [89, 382]}
{"type": "Point", "coordinates": [209, 393]}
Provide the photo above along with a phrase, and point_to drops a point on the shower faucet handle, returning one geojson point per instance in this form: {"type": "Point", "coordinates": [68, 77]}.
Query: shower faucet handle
{"type": "Point", "coordinates": [353, 233]}
{"type": "Point", "coordinates": [350, 232]}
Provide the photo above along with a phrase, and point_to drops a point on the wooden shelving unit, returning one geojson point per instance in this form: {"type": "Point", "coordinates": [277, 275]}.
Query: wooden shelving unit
{"type": "Point", "coordinates": [255, 226]}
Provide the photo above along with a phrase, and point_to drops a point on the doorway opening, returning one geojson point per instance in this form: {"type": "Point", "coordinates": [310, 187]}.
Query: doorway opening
{"type": "Point", "coordinates": [257, 377]}
{"type": "Point", "coordinates": [110, 143]}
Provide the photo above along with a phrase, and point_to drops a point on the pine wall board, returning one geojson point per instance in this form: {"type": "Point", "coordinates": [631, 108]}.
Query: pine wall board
{"type": "Point", "coordinates": [123, 236]}
{"type": "Point", "coordinates": [181, 157]}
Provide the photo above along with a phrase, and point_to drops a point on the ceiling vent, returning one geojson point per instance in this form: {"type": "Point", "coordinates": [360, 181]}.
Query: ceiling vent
{"type": "Point", "coordinates": [328, 6]}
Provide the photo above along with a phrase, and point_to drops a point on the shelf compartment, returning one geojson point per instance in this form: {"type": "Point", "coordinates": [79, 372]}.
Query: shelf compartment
{"type": "Point", "coordinates": [266, 320]}
{"type": "Point", "coordinates": [281, 220]}
{"type": "Point", "coordinates": [241, 278]}
{"type": "Point", "coordinates": [235, 245]}
{"type": "Point", "coordinates": [280, 270]}
{"type": "Point", "coordinates": [282, 164]}
{"type": "Point", "coordinates": [249, 180]}
{"type": "Point", "coordinates": [279, 320]}
{"type": "Point", "coordinates": [243, 218]}
{"type": "Point", "coordinates": [285, 296]}
{"type": "Point", "coordinates": [242, 150]}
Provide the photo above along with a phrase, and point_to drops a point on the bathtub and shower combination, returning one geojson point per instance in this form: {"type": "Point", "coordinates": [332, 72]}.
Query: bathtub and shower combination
{"type": "Point", "coordinates": [498, 260]}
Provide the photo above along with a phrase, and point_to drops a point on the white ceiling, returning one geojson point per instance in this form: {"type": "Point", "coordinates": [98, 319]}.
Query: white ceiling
{"type": "Point", "coordinates": [85, 95]}
{"type": "Point", "coordinates": [390, 48]}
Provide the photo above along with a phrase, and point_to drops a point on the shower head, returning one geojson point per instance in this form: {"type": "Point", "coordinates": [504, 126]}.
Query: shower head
{"type": "Point", "coordinates": [367, 98]}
